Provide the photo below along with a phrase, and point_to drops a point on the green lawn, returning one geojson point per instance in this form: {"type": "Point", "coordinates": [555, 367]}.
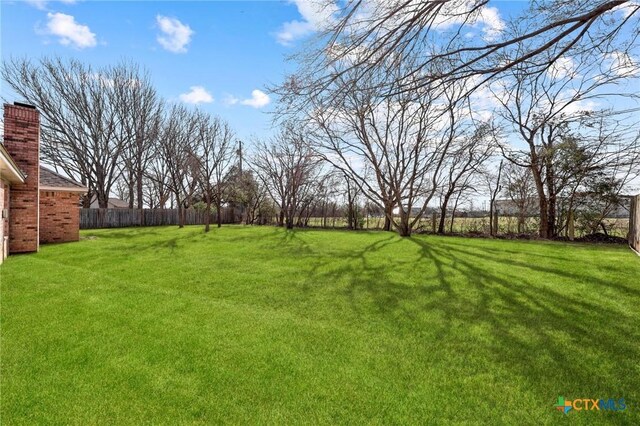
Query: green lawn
{"type": "Point", "coordinates": [259, 325]}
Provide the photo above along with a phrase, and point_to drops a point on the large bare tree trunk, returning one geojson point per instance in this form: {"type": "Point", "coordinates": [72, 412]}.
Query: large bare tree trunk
{"type": "Point", "coordinates": [139, 189]}
{"type": "Point", "coordinates": [207, 224]}
{"type": "Point", "coordinates": [443, 213]}
{"type": "Point", "coordinates": [404, 228]}
{"type": "Point", "coordinates": [542, 199]}
{"type": "Point", "coordinates": [388, 214]}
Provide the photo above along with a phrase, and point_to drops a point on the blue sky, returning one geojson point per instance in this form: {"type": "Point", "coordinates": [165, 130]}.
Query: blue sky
{"type": "Point", "coordinates": [229, 49]}
{"type": "Point", "coordinates": [218, 55]}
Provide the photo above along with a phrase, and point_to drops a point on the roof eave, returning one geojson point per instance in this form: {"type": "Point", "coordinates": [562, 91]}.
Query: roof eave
{"type": "Point", "coordinates": [63, 189]}
{"type": "Point", "coordinates": [9, 168]}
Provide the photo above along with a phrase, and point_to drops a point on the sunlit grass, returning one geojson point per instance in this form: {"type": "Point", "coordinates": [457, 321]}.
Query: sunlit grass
{"type": "Point", "coordinates": [260, 325]}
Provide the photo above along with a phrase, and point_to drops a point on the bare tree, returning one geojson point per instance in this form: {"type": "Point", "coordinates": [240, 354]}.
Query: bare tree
{"type": "Point", "coordinates": [392, 147]}
{"type": "Point", "coordinates": [214, 151]}
{"type": "Point", "coordinates": [436, 32]}
{"type": "Point", "coordinates": [156, 178]}
{"type": "Point", "coordinates": [289, 169]}
{"type": "Point", "coordinates": [493, 182]}
{"type": "Point", "coordinates": [518, 186]}
{"type": "Point", "coordinates": [140, 112]}
{"type": "Point", "coordinates": [176, 147]}
{"type": "Point", "coordinates": [468, 154]}
{"type": "Point", "coordinates": [545, 110]}
{"type": "Point", "coordinates": [81, 130]}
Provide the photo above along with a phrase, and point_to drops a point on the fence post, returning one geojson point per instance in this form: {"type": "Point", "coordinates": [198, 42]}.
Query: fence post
{"type": "Point", "coordinates": [634, 224]}
{"type": "Point", "coordinates": [571, 227]}
{"type": "Point", "coordinates": [434, 219]}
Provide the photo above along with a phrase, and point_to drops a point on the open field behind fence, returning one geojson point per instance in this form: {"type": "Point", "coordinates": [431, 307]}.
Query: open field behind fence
{"type": "Point", "coordinates": [507, 225]}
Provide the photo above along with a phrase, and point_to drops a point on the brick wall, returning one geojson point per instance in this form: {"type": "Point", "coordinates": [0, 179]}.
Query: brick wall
{"type": "Point", "coordinates": [59, 216]}
{"type": "Point", "coordinates": [22, 141]}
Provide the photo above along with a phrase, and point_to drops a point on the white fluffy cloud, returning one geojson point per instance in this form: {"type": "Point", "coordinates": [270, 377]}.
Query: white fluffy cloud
{"type": "Point", "coordinates": [258, 99]}
{"type": "Point", "coordinates": [456, 12]}
{"type": "Point", "coordinates": [230, 100]}
{"type": "Point", "coordinates": [196, 95]}
{"type": "Point", "coordinates": [315, 14]}
{"type": "Point", "coordinates": [622, 64]}
{"type": "Point", "coordinates": [42, 4]}
{"type": "Point", "coordinates": [628, 8]}
{"type": "Point", "coordinates": [561, 68]}
{"type": "Point", "coordinates": [492, 24]}
{"type": "Point", "coordinates": [175, 35]}
{"type": "Point", "coordinates": [68, 31]}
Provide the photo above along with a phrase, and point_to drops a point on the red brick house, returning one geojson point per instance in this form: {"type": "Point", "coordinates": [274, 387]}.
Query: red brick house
{"type": "Point", "coordinates": [38, 205]}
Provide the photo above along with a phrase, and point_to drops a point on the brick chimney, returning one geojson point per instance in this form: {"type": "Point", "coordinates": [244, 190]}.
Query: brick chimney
{"type": "Point", "coordinates": [22, 141]}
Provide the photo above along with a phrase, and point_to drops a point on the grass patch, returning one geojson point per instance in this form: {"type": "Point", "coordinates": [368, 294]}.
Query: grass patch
{"type": "Point", "coordinates": [261, 325]}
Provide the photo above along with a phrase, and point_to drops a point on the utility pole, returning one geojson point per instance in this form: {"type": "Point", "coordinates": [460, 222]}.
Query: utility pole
{"type": "Point", "coordinates": [239, 152]}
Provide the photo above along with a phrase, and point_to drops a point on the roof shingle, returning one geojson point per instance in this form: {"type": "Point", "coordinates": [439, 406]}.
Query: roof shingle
{"type": "Point", "coordinates": [50, 179]}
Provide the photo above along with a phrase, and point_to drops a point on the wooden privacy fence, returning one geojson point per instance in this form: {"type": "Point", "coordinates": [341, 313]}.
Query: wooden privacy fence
{"type": "Point", "coordinates": [634, 223]}
{"type": "Point", "coordinates": [122, 218]}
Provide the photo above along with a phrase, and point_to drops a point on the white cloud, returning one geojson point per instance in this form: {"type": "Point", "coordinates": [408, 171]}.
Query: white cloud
{"type": "Point", "coordinates": [456, 13]}
{"type": "Point", "coordinates": [42, 4]}
{"type": "Point", "coordinates": [196, 95]}
{"type": "Point", "coordinates": [492, 24]}
{"type": "Point", "coordinates": [622, 64]}
{"type": "Point", "coordinates": [561, 68]}
{"type": "Point", "coordinates": [230, 100]}
{"type": "Point", "coordinates": [70, 32]}
{"type": "Point", "coordinates": [316, 14]}
{"type": "Point", "coordinates": [628, 8]}
{"type": "Point", "coordinates": [258, 99]}
{"type": "Point", "coordinates": [175, 35]}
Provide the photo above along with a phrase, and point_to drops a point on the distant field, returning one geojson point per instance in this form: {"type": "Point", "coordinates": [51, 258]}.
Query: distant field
{"type": "Point", "coordinates": [257, 325]}
{"type": "Point", "coordinates": [506, 225]}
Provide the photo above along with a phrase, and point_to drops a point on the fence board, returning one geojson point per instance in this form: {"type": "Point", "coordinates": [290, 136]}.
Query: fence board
{"type": "Point", "coordinates": [634, 223]}
{"type": "Point", "coordinates": [122, 218]}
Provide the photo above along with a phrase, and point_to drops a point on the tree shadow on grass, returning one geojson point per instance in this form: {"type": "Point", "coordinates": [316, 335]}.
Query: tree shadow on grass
{"type": "Point", "coordinates": [532, 322]}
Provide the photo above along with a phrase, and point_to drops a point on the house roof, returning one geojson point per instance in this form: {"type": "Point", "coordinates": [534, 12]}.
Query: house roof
{"type": "Point", "coordinates": [50, 180]}
{"type": "Point", "coordinates": [116, 203]}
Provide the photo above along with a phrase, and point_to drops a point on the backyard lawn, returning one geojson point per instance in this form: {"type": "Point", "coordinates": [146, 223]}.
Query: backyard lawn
{"type": "Point", "coordinates": [260, 325]}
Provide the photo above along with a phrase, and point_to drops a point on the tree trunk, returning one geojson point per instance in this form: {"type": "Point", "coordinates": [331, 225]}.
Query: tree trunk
{"type": "Point", "coordinates": [86, 200]}
{"type": "Point", "coordinates": [131, 193]}
{"type": "Point", "coordinates": [219, 212]}
{"type": "Point", "coordinates": [403, 227]}
{"type": "Point", "coordinates": [493, 218]}
{"type": "Point", "coordinates": [388, 214]}
{"type": "Point", "coordinates": [453, 212]}
{"type": "Point", "coordinates": [542, 200]}
{"type": "Point", "coordinates": [180, 212]}
{"type": "Point", "coordinates": [207, 223]}
{"type": "Point", "coordinates": [103, 200]}
{"type": "Point", "coordinates": [443, 213]}
{"type": "Point", "coordinates": [139, 190]}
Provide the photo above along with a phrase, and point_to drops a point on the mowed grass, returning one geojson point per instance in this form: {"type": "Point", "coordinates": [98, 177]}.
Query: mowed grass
{"type": "Point", "coordinates": [254, 325]}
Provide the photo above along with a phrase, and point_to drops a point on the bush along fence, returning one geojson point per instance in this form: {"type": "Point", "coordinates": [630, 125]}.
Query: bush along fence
{"type": "Point", "coordinates": [122, 218]}
{"type": "Point", "coordinates": [634, 224]}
